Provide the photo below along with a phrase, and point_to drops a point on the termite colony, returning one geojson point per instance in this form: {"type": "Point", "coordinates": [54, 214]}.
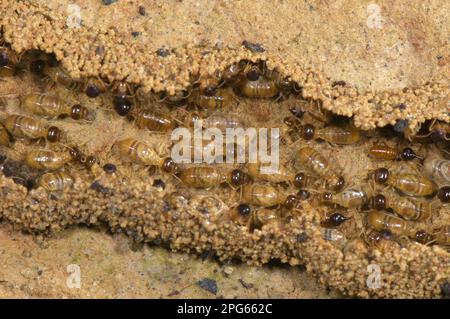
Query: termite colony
{"type": "Point", "coordinates": [376, 185]}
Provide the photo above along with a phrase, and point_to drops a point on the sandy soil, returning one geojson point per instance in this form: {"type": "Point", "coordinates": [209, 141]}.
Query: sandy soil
{"type": "Point", "coordinates": [115, 267]}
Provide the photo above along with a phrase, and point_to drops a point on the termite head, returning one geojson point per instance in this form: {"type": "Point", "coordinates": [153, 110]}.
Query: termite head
{"type": "Point", "coordinates": [169, 166]}
{"type": "Point", "coordinates": [290, 202]}
{"type": "Point", "coordinates": [53, 134]}
{"type": "Point", "coordinates": [327, 197]}
{"type": "Point", "coordinates": [423, 237]}
{"type": "Point", "coordinates": [253, 74]}
{"type": "Point", "coordinates": [238, 177]}
{"type": "Point", "coordinates": [381, 175]}
{"type": "Point", "coordinates": [4, 58]}
{"type": "Point", "coordinates": [307, 131]}
{"type": "Point", "coordinates": [408, 154]}
{"type": "Point", "coordinates": [337, 219]}
{"type": "Point", "coordinates": [378, 202]}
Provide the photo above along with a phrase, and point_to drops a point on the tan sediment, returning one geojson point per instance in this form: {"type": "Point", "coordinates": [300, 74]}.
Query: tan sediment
{"type": "Point", "coordinates": [410, 271]}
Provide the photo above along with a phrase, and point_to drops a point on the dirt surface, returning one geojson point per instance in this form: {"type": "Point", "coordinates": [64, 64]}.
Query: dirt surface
{"type": "Point", "coordinates": [115, 267]}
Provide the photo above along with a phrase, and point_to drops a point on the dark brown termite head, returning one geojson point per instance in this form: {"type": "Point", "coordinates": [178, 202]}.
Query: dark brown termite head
{"type": "Point", "coordinates": [421, 236]}
{"type": "Point", "coordinates": [238, 177]}
{"type": "Point", "coordinates": [307, 132]}
{"type": "Point", "coordinates": [244, 209]}
{"type": "Point", "coordinates": [290, 202]}
{"type": "Point", "coordinates": [336, 219]}
{"type": "Point", "coordinates": [210, 90]}
{"type": "Point", "coordinates": [300, 180]}
{"type": "Point", "coordinates": [381, 175]}
{"type": "Point", "coordinates": [253, 74]}
{"type": "Point", "coordinates": [407, 154]}
{"type": "Point", "coordinates": [327, 197]}
{"type": "Point", "coordinates": [90, 161]}
{"type": "Point", "coordinates": [53, 134]}
{"type": "Point", "coordinates": [378, 202]}
{"type": "Point", "coordinates": [4, 58]}
{"type": "Point", "coordinates": [169, 166]}
{"type": "Point", "coordinates": [339, 184]}
{"type": "Point", "coordinates": [122, 105]}
{"type": "Point", "coordinates": [74, 153]}
{"type": "Point", "coordinates": [78, 112]}
{"type": "Point", "coordinates": [444, 194]}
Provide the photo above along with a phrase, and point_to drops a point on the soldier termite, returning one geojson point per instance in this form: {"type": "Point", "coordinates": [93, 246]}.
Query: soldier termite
{"type": "Point", "coordinates": [352, 197]}
{"type": "Point", "coordinates": [384, 152]}
{"type": "Point", "coordinates": [51, 107]}
{"type": "Point", "coordinates": [28, 127]}
{"type": "Point", "coordinates": [409, 184]}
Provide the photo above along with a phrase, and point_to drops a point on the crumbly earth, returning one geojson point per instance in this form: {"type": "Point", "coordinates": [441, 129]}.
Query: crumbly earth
{"type": "Point", "coordinates": [394, 65]}
{"type": "Point", "coordinates": [193, 222]}
{"type": "Point", "coordinates": [116, 267]}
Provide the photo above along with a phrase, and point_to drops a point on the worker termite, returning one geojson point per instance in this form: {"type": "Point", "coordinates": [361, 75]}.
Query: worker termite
{"type": "Point", "coordinates": [255, 85]}
{"type": "Point", "coordinates": [258, 172]}
{"type": "Point", "coordinates": [381, 221]}
{"type": "Point", "coordinates": [331, 134]}
{"type": "Point", "coordinates": [133, 150]}
{"type": "Point", "coordinates": [312, 108]}
{"type": "Point", "coordinates": [153, 120]}
{"type": "Point", "coordinates": [220, 120]}
{"type": "Point", "coordinates": [58, 76]}
{"type": "Point", "coordinates": [409, 184]}
{"type": "Point", "coordinates": [43, 159]}
{"type": "Point", "coordinates": [437, 169]}
{"type": "Point", "coordinates": [211, 98]}
{"type": "Point", "coordinates": [312, 160]}
{"type": "Point", "coordinates": [55, 182]}
{"type": "Point", "coordinates": [209, 176]}
{"type": "Point", "coordinates": [408, 208]}
{"type": "Point", "coordinates": [51, 107]}
{"type": "Point", "coordinates": [262, 217]}
{"type": "Point", "coordinates": [4, 136]}
{"type": "Point", "coordinates": [384, 152]}
{"type": "Point", "coordinates": [230, 75]}
{"type": "Point", "coordinates": [262, 195]}
{"type": "Point", "coordinates": [353, 197]}
{"type": "Point", "coordinates": [28, 127]}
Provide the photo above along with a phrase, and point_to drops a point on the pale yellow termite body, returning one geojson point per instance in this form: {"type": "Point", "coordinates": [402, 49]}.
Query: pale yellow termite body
{"type": "Point", "coordinates": [438, 169]}
{"type": "Point", "coordinates": [382, 221]}
{"type": "Point", "coordinates": [47, 159]}
{"type": "Point", "coordinates": [204, 176]}
{"type": "Point", "coordinates": [443, 236]}
{"type": "Point", "coordinates": [218, 101]}
{"type": "Point", "coordinates": [413, 184]}
{"type": "Point", "coordinates": [135, 151]}
{"type": "Point", "coordinates": [55, 182]}
{"type": "Point", "coordinates": [262, 195]}
{"type": "Point", "coordinates": [348, 198]}
{"type": "Point", "coordinates": [262, 172]}
{"type": "Point", "coordinates": [28, 127]}
{"type": "Point", "coordinates": [315, 162]}
{"type": "Point", "coordinates": [339, 136]}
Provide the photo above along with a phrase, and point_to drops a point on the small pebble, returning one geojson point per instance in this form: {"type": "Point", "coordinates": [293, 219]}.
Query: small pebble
{"type": "Point", "coordinates": [142, 11]}
{"type": "Point", "coordinates": [208, 285]}
{"type": "Point", "coordinates": [108, 2]}
{"type": "Point", "coordinates": [400, 126]}
{"type": "Point", "coordinates": [254, 47]}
